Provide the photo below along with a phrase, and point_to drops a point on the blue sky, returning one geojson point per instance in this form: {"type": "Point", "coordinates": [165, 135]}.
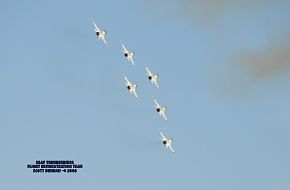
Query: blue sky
{"type": "Point", "coordinates": [224, 75]}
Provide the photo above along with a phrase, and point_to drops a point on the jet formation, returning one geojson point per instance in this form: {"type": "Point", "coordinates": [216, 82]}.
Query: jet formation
{"type": "Point", "coordinates": [132, 87]}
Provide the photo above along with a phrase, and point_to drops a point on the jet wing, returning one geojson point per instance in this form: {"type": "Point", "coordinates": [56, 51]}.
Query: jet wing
{"type": "Point", "coordinates": [156, 102]}
{"type": "Point", "coordinates": [134, 92]}
{"type": "Point", "coordinates": [163, 137]}
{"type": "Point", "coordinates": [96, 28]}
{"type": "Point", "coordinates": [156, 84]}
{"type": "Point", "coordinates": [171, 149]}
{"type": "Point", "coordinates": [124, 48]}
{"type": "Point", "coordinates": [127, 81]}
{"type": "Point", "coordinates": [164, 116]}
{"type": "Point", "coordinates": [132, 61]}
{"type": "Point", "coordinates": [148, 71]}
{"type": "Point", "coordinates": [104, 40]}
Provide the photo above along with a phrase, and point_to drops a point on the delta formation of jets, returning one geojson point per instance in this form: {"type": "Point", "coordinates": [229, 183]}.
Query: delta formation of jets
{"type": "Point", "coordinates": [132, 87]}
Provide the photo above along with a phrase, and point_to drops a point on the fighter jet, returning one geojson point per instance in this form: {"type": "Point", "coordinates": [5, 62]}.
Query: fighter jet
{"type": "Point", "coordinates": [160, 109]}
{"type": "Point", "coordinates": [131, 87]}
{"type": "Point", "coordinates": [152, 77]}
{"type": "Point", "coordinates": [128, 54]}
{"type": "Point", "coordinates": [167, 142]}
{"type": "Point", "coordinates": [100, 33]}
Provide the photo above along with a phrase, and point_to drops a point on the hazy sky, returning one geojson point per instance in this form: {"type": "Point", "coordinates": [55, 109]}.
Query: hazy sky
{"type": "Point", "coordinates": [224, 70]}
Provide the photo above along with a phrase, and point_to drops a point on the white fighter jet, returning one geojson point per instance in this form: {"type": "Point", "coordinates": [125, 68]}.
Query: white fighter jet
{"type": "Point", "coordinates": [128, 54]}
{"type": "Point", "coordinates": [167, 142]}
{"type": "Point", "coordinates": [160, 109]}
{"type": "Point", "coordinates": [100, 33]}
{"type": "Point", "coordinates": [152, 77]}
{"type": "Point", "coordinates": [131, 87]}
